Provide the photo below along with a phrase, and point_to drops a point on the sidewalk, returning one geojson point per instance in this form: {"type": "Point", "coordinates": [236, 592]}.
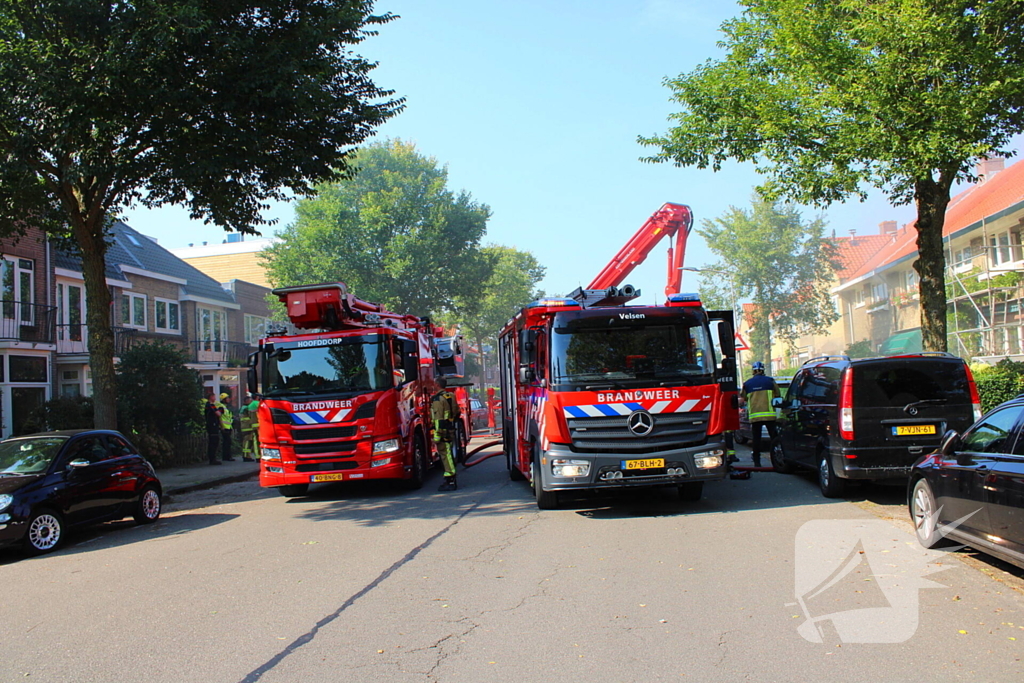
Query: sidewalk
{"type": "Point", "coordinates": [196, 477]}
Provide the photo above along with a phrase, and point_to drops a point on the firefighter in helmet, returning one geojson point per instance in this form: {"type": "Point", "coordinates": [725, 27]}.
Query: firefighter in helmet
{"type": "Point", "coordinates": [758, 394]}
{"type": "Point", "coordinates": [444, 411]}
{"type": "Point", "coordinates": [250, 428]}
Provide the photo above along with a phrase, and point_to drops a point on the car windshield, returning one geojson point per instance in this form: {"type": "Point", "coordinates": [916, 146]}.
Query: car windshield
{"type": "Point", "coordinates": [29, 456]}
{"type": "Point", "coordinates": [627, 349]}
{"type": "Point", "coordinates": [327, 366]}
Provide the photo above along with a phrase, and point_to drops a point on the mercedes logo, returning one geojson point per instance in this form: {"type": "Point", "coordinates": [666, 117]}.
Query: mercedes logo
{"type": "Point", "coordinates": [640, 422]}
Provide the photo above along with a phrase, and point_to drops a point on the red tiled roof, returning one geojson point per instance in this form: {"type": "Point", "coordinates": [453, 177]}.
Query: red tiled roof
{"type": "Point", "coordinates": [1003, 190]}
{"type": "Point", "coordinates": [855, 251]}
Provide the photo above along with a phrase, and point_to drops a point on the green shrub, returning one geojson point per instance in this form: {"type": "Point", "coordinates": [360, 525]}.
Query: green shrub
{"type": "Point", "coordinates": [998, 383]}
{"type": "Point", "coordinates": [860, 349]}
{"type": "Point", "coordinates": [157, 394]}
{"type": "Point", "coordinates": [64, 412]}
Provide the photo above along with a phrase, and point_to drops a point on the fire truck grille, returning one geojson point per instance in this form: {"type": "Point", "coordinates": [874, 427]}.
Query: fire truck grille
{"type": "Point", "coordinates": [325, 466]}
{"type": "Point", "coordinates": [610, 434]}
{"type": "Point", "coordinates": [307, 449]}
{"type": "Point", "coordinates": [324, 433]}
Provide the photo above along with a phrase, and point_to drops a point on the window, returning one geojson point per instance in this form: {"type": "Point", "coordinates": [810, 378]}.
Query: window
{"type": "Point", "coordinates": [880, 293]}
{"type": "Point", "coordinates": [168, 316]}
{"type": "Point", "coordinates": [133, 310]}
{"type": "Point", "coordinates": [18, 278]}
{"type": "Point", "coordinates": [993, 435]}
{"type": "Point", "coordinates": [28, 368]}
{"type": "Point", "coordinates": [212, 328]}
{"type": "Point", "coordinates": [255, 327]}
{"type": "Point", "coordinates": [910, 279]}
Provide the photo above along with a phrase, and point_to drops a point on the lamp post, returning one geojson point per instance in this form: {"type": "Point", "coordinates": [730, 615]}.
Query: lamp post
{"type": "Point", "coordinates": [735, 303]}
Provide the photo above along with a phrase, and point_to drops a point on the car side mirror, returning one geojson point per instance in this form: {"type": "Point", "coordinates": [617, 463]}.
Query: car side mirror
{"type": "Point", "coordinates": [951, 443]}
{"type": "Point", "coordinates": [78, 464]}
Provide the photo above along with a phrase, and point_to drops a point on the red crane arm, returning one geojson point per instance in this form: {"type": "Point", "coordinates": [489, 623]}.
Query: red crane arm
{"type": "Point", "coordinates": [672, 220]}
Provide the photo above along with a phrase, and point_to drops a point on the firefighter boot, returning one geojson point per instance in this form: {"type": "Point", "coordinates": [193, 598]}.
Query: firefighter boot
{"type": "Point", "coordinates": [448, 485]}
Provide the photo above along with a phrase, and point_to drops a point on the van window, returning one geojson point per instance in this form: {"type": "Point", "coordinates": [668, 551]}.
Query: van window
{"type": "Point", "coordinates": [820, 385]}
{"type": "Point", "coordinates": [896, 383]}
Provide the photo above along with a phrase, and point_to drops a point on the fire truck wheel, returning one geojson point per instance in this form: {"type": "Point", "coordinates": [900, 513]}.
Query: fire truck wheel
{"type": "Point", "coordinates": [419, 466]}
{"type": "Point", "coordinates": [293, 490]}
{"type": "Point", "coordinates": [513, 471]}
{"type": "Point", "coordinates": [691, 491]}
{"type": "Point", "coordinates": [546, 500]}
{"type": "Point", "coordinates": [460, 444]}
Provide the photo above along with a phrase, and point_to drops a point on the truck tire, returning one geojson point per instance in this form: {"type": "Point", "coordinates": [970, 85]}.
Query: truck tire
{"type": "Point", "coordinates": [546, 500]}
{"type": "Point", "coordinates": [459, 445]}
{"type": "Point", "coordinates": [419, 465]}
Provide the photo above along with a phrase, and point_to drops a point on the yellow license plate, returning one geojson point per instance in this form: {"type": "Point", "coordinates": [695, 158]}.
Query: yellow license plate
{"type": "Point", "coordinates": [649, 464]}
{"type": "Point", "coordinates": [316, 478]}
{"type": "Point", "coordinates": [913, 430]}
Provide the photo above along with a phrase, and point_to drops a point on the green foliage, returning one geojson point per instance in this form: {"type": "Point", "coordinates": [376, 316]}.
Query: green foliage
{"type": "Point", "coordinates": [63, 412]}
{"type": "Point", "coordinates": [770, 255]}
{"type": "Point", "coordinates": [830, 97]}
{"type": "Point", "coordinates": [157, 394]}
{"type": "Point", "coordinates": [998, 383]}
{"type": "Point", "coordinates": [860, 349]}
{"type": "Point", "coordinates": [218, 107]}
{"type": "Point", "coordinates": [394, 233]}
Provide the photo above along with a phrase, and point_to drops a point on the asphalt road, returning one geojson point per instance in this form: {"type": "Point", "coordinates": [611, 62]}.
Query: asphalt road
{"type": "Point", "coordinates": [369, 583]}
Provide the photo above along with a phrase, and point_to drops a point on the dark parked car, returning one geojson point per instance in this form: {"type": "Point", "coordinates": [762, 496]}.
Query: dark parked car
{"type": "Point", "coordinates": [479, 413]}
{"type": "Point", "coordinates": [871, 418]}
{"type": "Point", "coordinates": [971, 489]}
{"type": "Point", "coordinates": [744, 434]}
{"type": "Point", "coordinates": [55, 481]}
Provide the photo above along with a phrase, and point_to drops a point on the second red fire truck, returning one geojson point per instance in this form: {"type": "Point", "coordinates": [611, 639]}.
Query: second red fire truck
{"type": "Point", "coordinates": [347, 398]}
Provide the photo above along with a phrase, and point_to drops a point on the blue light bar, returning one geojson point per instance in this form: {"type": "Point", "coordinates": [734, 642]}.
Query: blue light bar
{"type": "Point", "coordinates": [680, 297]}
{"type": "Point", "coordinates": [552, 302]}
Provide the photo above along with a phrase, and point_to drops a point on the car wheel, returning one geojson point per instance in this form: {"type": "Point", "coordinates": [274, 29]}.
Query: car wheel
{"type": "Point", "coordinates": [419, 466]}
{"type": "Point", "coordinates": [778, 458]}
{"type": "Point", "coordinates": [924, 512]}
{"type": "Point", "coordinates": [831, 485]}
{"type": "Point", "coordinates": [147, 510]}
{"type": "Point", "coordinates": [293, 490]}
{"type": "Point", "coordinates": [691, 491]}
{"type": "Point", "coordinates": [739, 438]}
{"type": "Point", "coordinates": [45, 531]}
{"type": "Point", "coordinates": [546, 500]}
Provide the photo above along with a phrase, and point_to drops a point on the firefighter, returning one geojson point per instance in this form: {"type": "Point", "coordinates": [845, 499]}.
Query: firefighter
{"type": "Point", "coordinates": [758, 394]}
{"type": "Point", "coordinates": [444, 411]}
{"type": "Point", "coordinates": [250, 428]}
{"type": "Point", "coordinates": [227, 419]}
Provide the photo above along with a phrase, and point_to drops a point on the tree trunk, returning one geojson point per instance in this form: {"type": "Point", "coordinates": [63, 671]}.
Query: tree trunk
{"type": "Point", "coordinates": [932, 198]}
{"type": "Point", "coordinates": [93, 245]}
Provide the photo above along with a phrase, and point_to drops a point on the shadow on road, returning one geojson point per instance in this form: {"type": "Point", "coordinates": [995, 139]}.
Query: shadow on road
{"type": "Point", "coordinates": [124, 532]}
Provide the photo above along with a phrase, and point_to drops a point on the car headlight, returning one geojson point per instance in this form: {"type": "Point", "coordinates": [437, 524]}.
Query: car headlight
{"type": "Point", "coordinates": [270, 454]}
{"type": "Point", "coordinates": [386, 446]}
{"type": "Point", "coordinates": [709, 460]}
{"type": "Point", "coordinates": [564, 467]}
{"type": "Point", "coordinates": [5, 501]}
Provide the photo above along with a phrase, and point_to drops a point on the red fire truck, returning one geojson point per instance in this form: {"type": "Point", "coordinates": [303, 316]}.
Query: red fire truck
{"type": "Point", "coordinates": [604, 395]}
{"type": "Point", "coordinates": [348, 397]}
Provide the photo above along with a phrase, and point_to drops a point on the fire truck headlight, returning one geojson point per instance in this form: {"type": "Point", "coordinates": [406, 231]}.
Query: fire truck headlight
{"type": "Point", "coordinates": [386, 446]}
{"type": "Point", "coordinates": [380, 463]}
{"type": "Point", "coordinates": [563, 467]}
{"type": "Point", "coordinates": [709, 460]}
{"type": "Point", "coordinates": [270, 454]}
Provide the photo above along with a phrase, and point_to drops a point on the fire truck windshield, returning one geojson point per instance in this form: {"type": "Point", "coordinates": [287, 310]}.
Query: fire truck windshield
{"type": "Point", "coordinates": [630, 350]}
{"type": "Point", "coordinates": [327, 366]}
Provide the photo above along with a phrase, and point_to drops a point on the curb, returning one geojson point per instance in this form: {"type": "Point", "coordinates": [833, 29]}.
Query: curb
{"type": "Point", "coordinates": [189, 488]}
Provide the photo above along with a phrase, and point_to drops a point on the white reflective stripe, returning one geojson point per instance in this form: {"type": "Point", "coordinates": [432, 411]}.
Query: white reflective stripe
{"type": "Point", "coordinates": [591, 411]}
{"type": "Point", "coordinates": [660, 406]}
{"type": "Point", "coordinates": [304, 418]}
{"type": "Point", "coordinates": [687, 406]}
{"type": "Point", "coordinates": [620, 408]}
{"type": "Point", "coordinates": [341, 415]}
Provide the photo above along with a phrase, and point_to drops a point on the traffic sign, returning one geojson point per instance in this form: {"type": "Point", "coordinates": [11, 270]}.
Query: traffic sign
{"type": "Point", "coordinates": [741, 343]}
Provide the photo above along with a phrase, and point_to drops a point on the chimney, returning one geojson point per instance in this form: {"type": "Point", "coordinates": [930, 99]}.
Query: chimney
{"type": "Point", "coordinates": [887, 228]}
{"type": "Point", "coordinates": [986, 168]}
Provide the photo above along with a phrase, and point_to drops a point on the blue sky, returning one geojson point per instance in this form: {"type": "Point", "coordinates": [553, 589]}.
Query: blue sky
{"type": "Point", "coordinates": [535, 107]}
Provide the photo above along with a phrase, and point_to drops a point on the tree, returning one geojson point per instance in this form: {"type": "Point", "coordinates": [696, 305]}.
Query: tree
{"type": "Point", "coordinates": [784, 265]}
{"type": "Point", "coordinates": [830, 97]}
{"type": "Point", "coordinates": [219, 106]}
{"type": "Point", "coordinates": [511, 286]}
{"type": "Point", "coordinates": [394, 233]}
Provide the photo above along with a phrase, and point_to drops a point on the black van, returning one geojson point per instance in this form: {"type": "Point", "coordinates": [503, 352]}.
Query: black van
{"type": "Point", "coordinates": [871, 418]}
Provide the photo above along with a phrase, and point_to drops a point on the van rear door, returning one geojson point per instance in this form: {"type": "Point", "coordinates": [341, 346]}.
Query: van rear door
{"type": "Point", "coordinates": [904, 404]}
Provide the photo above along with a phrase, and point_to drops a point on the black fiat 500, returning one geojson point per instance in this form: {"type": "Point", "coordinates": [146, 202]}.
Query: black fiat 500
{"type": "Point", "coordinates": [56, 481]}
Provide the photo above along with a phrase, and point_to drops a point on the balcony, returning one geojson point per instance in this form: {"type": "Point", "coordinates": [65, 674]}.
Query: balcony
{"type": "Point", "coordinates": [74, 338]}
{"type": "Point", "coordinates": [26, 322]}
{"type": "Point", "coordinates": [221, 352]}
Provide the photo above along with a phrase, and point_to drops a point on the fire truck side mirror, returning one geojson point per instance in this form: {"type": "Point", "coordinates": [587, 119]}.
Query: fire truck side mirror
{"type": "Point", "coordinates": [410, 360]}
{"type": "Point", "coordinates": [527, 345]}
{"type": "Point", "coordinates": [526, 374]}
{"type": "Point", "coordinates": [251, 379]}
{"type": "Point", "coordinates": [726, 340]}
